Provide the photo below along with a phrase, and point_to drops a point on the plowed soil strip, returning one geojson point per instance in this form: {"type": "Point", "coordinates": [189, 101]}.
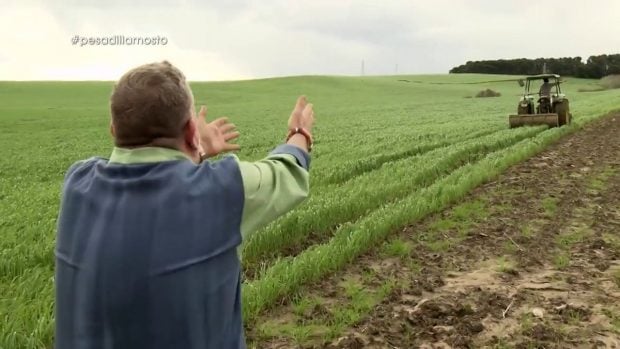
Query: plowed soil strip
{"type": "Point", "coordinates": [529, 260]}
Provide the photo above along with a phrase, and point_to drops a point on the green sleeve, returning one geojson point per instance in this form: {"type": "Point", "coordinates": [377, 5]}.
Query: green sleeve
{"type": "Point", "coordinates": [272, 187]}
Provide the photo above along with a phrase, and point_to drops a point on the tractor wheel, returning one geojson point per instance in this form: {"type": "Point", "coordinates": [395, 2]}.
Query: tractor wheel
{"type": "Point", "coordinates": [564, 117]}
{"type": "Point", "coordinates": [527, 109]}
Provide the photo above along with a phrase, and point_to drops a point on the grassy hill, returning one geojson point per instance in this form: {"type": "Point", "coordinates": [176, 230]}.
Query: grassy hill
{"type": "Point", "coordinates": [380, 144]}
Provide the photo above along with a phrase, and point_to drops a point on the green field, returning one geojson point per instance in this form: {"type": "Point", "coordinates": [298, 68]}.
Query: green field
{"type": "Point", "coordinates": [387, 153]}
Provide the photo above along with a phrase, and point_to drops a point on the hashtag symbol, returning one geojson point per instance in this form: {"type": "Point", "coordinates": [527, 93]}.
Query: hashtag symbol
{"type": "Point", "coordinates": [75, 40]}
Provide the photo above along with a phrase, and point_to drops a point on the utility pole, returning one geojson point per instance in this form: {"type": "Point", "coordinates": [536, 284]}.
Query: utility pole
{"type": "Point", "coordinates": [396, 69]}
{"type": "Point", "coordinates": [363, 67]}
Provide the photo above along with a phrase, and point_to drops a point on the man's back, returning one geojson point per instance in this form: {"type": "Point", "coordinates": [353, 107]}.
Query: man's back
{"type": "Point", "coordinates": [146, 250]}
{"type": "Point", "coordinates": [147, 256]}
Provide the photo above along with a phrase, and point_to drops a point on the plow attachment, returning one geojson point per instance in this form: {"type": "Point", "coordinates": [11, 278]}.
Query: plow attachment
{"type": "Point", "coordinates": [552, 120]}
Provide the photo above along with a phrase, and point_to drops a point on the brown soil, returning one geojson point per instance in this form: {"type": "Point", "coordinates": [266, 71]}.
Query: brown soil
{"type": "Point", "coordinates": [538, 268]}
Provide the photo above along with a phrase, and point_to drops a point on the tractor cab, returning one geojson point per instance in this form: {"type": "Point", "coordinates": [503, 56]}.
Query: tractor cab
{"type": "Point", "coordinates": [545, 89]}
{"type": "Point", "coordinates": [542, 103]}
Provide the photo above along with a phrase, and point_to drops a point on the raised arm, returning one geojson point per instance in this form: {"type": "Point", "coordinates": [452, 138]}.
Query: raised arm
{"type": "Point", "coordinates": [276, 184]}
{"type": "Point", "coordinates": [280, 182]}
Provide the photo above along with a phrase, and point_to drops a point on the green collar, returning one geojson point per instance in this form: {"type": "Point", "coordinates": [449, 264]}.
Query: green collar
{"type": "Point", "coordinates": [145, 155]}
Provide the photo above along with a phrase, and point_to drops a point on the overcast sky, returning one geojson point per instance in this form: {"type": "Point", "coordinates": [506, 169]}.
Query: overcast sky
{"type": "Point", "coordinates": [241, 39]}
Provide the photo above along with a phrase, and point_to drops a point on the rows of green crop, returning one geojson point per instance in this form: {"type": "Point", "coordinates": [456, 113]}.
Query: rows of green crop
{"type": "Point", "coordinates": [352, 139]}
{"type": "Point", "coordinates": [27, 310]}
{"type": "Point", "coordinates": [371, 139]}
{"type": "Point", "coordinates": [21, 255]}
{"type": "Point", "coordinates": [337, 204]}
{"type": "Point", "coordinates": [375, 158]}
{"type": "Point", "coordinates": [19, 250]}
{"type": "Point", "coordinates": [341, 125]}
{"type": "Point", "coordinates": [287, 275]}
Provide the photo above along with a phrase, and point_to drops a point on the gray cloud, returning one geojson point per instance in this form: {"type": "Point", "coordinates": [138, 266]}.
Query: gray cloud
{"type": "Point", "coordinates": [252, 38]}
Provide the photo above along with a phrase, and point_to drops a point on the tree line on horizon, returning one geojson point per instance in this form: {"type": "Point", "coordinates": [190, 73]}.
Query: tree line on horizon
{"type": "Point", "coordinates": [595, 67]}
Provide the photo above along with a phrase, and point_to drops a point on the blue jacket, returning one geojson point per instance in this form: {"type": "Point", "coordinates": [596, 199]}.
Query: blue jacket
{"type": "Point", "coordinates": [147, 247]}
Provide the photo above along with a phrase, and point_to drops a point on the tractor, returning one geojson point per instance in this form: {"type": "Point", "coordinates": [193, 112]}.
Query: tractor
{"type": "Point", "coordinates": [551, 108]}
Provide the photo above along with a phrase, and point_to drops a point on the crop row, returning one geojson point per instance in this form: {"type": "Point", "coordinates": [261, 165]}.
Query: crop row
{"type": "Point", "coordinates": [287, 275]}
{"type": "Point", "coordinates": [374, 158]}
{"type": "Point", "coordinates": [339, 204]}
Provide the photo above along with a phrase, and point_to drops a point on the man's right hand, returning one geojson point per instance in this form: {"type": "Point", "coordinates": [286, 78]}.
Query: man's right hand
{"type": "Point", "coordinates": [302, 115]}
{"type": "Point", "coordinates": [216, 136]}
{"type": "Point", "coordinates": [300, 125]}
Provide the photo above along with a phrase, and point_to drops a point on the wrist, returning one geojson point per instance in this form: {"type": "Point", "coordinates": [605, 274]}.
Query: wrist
{"type": "Point", "coordinates": [300, 126]}
{"type": "Point", "coordinates": [207, 153]}
{"type": "Point", "coordinates": [202, 156]}
{"type": "Point", "coordinates": [300, 135]}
